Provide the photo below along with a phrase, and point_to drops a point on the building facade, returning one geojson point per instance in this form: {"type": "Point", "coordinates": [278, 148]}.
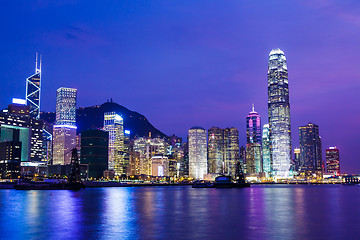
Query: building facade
{"type": "Point", "coordinates": [333, 161]}
{"type": "Point", "coordinates": [215, 149]}
{"type": "Point", "coordinates": [310, 148]}
{"type": "Point", "coordinates": [66, 106]}
{"type": "Point", "coordinates": [279, 114]}
{"type": "Point", "coordinates": [33, 91]}
{"type": "Point", "coordinates": [64, 131]}
{"type": "Point", "coordinates": [223, 150]}
{"type": "Point", "coordinates": [253, 127]}
{"type": "Point", "coordinates": [147, 148]}
{"type": "Point", "coordinates": [296, 162]}
{"type": "Point", "coordinates": [253, 142]}
{"type": "Point", "coordinates": [113, 123]}
{"type": "Point", "coordinates": [253, 158]}
{"type": "Point", "coordinates": [94, 152]}
{"type": "Point", "coordinates": [266, 151]}
{"type": "Point", "coordinates": [231, 150]}
{"type": "Point", "coordinates": [159, 166]}
{"type": "Point", "coordinates": [64, 140]}
{"type": "Point", "coordinates": [197, 152]}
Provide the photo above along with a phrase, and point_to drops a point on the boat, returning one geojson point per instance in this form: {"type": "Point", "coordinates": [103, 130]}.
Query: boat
{"type": "Point", "coordinates": [350, 181]}
{"type": "Point", "coordinates": [73, 183]}
{"type": "Point", "coordinates": [224, 181]}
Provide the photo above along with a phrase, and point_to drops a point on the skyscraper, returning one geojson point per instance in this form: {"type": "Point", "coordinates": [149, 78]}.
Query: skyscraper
{"type": "Point", "coordinates": [310, 148]}
{"type": "Point", "coordinates": [197, 153]}
{"type": "Point", "coordinates": [253, 127]}
{"type": "Point", "coordinates": [113, 123]}
{"type": "Point", "coordinates": [253, 142]}
{"type": "Point", "coordinates": [279, 114]}
{"type": "Point", "coordinates": [215, 150]}
{"type": "Point", "coordinates": [266, 150]}
{"type": "Point", "coordinates": [33, 90]}
{"type": "Point", "coordinates": [296, 162]}
{"type": "Point", "coordinates": [94, 151]}
{"type": "Point", "coordinates": [64, 132]}
{"type": "Point", "coordinates": [66, 106]}
{"type": "Point", "coordinates": [232, 151]}
{"type": "Point", "coordinates": [223, 150]}
{"type": "Point", "coordinates": [333, 161]}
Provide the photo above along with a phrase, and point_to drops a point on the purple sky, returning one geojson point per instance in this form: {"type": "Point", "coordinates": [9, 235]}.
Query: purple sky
{"type": "Point", "coordinates": [185, 63]}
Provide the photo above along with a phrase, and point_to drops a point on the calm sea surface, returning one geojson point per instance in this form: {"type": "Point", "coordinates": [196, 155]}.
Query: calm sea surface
{"type": "Point", "coordinates": [259, 212]}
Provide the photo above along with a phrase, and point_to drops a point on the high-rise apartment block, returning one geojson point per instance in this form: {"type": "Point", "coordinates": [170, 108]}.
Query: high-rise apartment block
{"type": "Point", "coordinates": [279, 114]}
{"type": "Point", "coordinates": [310, 148]}
{"type": "Point", "coordinates": [64, 131]}
{"type": "Point", "coordinates": [333, 161]}
{"type": "Point", "coordinates": [197, 152]}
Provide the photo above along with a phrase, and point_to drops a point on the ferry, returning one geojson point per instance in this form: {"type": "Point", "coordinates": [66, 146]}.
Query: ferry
{"type": "Point", "coordinates": [224, 181]}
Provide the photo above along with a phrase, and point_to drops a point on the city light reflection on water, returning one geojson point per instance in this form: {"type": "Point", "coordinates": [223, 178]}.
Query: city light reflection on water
{"type": "Point", "coordinates": [259, 212]}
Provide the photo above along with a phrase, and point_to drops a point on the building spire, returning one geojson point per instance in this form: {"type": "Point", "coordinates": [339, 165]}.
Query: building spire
{"type": "Point", "coordinates": [36, 63]}
{"type": "Point", "coordinates": [253, 107]}
{"type": "Point", "coordinates": [38, 59]}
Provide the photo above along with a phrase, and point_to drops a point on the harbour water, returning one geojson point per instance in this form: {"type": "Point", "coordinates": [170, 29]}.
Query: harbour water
{"type": "Point", "coordinates": [259, 212]}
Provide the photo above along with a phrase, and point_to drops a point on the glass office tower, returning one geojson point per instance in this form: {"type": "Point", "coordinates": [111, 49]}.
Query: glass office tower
{"type": "Point", "coordinates": [253, 142]}
{"type": "Point", "coordinates": [279, 114]}
{"type": "Point", "coordinates": [333, 161]}
{"type": "Point", "coordinates": [33, 90]}
{"type": "Point", "coordinates": [266, 150]}
{"type": "Point", "coordinates": [113, 123]}
{"type": "Point", "coordinates": [64, 132]}
{"type": "Point", "coordinates": [253, 127]}
{"type": "Point", "coordinates": [197, 153]}
{"type": "Point", "coordinates": [223, 150]}
{"type": "Point", "coordinates": [310, 148]}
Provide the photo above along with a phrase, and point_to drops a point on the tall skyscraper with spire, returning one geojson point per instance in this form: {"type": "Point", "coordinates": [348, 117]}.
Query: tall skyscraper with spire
{"type": "Point", "coordinates": [279, 114]}
{"type": "Point", "coordinates": [253, 127]}
{"type": "Point", "coordinates": [33, 90]}
{"type": "Point", "coordinates": [253, 142]}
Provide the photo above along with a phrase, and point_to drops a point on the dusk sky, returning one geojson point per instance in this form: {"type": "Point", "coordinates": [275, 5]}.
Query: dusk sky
{"type": "Point", "coordinates": [193, 63]}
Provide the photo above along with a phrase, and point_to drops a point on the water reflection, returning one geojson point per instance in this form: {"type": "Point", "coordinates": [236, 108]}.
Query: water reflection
{"type": "Point", "coordinates": [260, 212]}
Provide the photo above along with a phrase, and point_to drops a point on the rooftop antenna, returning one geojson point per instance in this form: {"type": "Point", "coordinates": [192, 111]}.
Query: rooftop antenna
{"type": "Point", "coordinates": [253, 107]}
{"type": "Point", "coordinates": [40, 63]}
{"type": "Point", "coordinates": [36, 63]}
{"type": "Point", "coordinates": [38, 69]}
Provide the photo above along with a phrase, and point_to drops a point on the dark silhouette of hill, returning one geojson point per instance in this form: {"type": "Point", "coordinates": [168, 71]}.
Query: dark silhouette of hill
{"type": "Point", "coordinates": [93, 117]}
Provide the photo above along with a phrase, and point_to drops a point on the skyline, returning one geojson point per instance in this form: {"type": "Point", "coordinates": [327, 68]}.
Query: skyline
{"type": "Point", "coordinates": [227, 61]}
